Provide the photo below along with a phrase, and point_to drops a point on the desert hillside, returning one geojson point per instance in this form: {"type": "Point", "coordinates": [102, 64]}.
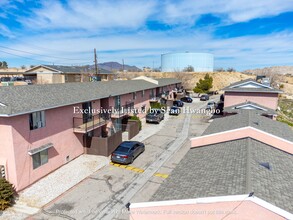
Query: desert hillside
{"type": "Point", "coordinates": [221, 79]}
{"type": "Point", "coordinates": [283, 70]}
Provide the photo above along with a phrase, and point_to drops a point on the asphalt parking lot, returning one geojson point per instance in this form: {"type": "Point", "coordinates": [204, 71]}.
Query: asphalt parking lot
{"type": "Point", "coordinates": [103, 195]}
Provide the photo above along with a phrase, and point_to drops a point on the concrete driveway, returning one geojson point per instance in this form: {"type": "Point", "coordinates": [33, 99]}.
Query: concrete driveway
{"type": "Point", "coordinates": [104, 194]}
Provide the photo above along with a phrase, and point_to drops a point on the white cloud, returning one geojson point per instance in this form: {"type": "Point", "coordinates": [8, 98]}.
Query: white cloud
{"type": "Point", "coordinates": [4, 31]}
{"type": "Point", "coordinates": [117, 30]}
{"type": "Point", "coordinates": [90, 15]}
{"type": "Point", "coordinates": [234, 10]}
{"type": "Point", "coordinates": [145, 47]}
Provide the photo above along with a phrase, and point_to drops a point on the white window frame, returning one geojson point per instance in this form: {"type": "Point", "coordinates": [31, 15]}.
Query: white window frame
{"type": "Point", "coordinates": [37, 120]}
{"type": "Point", "coordinates": [40, 158]}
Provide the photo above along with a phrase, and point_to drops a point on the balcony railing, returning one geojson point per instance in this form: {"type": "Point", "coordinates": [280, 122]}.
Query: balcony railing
{"type": "Point", "coordinates": [81, 125]}
{"type": "Point", "coordinates": [123, 110]}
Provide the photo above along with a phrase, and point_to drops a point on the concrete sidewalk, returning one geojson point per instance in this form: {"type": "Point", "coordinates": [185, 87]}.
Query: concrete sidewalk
{"type": "Point", "coordinates": [32, 199]}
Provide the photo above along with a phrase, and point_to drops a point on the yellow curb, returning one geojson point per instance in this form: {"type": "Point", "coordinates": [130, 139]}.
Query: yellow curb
{"type": "Point", "coordinates": [127, 167]}
{"type": "Point", "coordinates": [161, 175]}
{"type": "Point", "coordinates": [165, 176]}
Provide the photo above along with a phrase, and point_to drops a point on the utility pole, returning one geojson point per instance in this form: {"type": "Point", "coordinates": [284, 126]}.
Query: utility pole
{"type": "Point", "coordinates": [123, 65]}
{"type": "Point", "coordinates": [96, 63]}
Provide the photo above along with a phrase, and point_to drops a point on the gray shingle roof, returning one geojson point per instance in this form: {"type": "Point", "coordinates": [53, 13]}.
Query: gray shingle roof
{"type": "Point", "coordinates": [167, 81]}
{"type": "Point", "coordinates": [232, 168]}
{"type": "Point", "coordinates": [70, 69]}
{"type": "Point", "coordinates": [234, 108]}
{"type": "Point", "coordinates": [25, 99]}
{"type": "Point", "coordinates": [242, 89]}
{"type": "Point", "coordinates": [253, 119]}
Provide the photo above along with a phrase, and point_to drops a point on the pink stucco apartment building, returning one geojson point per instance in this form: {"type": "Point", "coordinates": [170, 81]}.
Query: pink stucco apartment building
{"type": "Point", "coordinates": [240, 168]}
{"type": "Point", "coordinates": [42, 127]}
{"type": "Point", "coordinates": [249, 90]}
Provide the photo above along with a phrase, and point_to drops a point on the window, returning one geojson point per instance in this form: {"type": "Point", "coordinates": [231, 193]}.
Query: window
{"type": "Point", "coordinates": [142, 93]}
{"type": "Point", "coordinates": [134, 95]}
{"type": "Point", "coordinates": [40, 158]}
{"type": "Point", "coordinates": [37, 120]}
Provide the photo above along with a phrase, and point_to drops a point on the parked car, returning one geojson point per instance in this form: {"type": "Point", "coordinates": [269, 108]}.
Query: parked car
{"type": "Point", "coordinates": [204, 98]}
{"type": "Point", "coordinates": [178, 103]}
{"type": "Point", "coordinates": [186, 99]}
{"type": "Point", "coordinates": [5, 79]}
{"type": "Point", "coordinates": [211, 105]}
{"type": "Point", "coordinates": [127, 151]}
{"type": "Point", "coordinates": [155, 115]}
{"type": "Point", "coordinates": [175, 110]}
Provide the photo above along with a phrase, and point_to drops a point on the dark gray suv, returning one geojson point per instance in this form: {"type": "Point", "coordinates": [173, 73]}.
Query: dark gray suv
{"type": "Point", "coordinates": [155, 116]}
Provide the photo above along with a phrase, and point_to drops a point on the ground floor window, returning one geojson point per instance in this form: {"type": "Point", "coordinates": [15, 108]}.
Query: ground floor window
{"type": "Point", "coordinates": [40, 158]}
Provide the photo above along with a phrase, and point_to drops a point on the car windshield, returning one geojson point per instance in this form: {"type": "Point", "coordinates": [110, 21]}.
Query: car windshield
{"type": "Point", "coordinates": [155, 111]}
{"type": "Point", "coordinates": [210, 103]}
{"type": "Point", "coordinates": [122, 149]}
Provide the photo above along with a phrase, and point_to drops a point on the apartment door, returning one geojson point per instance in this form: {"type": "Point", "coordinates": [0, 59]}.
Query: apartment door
{"type": "Point", "coordinates": [117, 102]}
{"type": "Point", "coordinates": [87, 114]}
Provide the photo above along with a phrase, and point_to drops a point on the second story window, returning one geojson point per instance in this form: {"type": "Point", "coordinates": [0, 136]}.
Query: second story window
{"type": "Point", "coordinates": [134, 95]}
{"type": "Point", "coordinates": [142, 93]}
{"type": "Point", "coordinates": [37, 120]}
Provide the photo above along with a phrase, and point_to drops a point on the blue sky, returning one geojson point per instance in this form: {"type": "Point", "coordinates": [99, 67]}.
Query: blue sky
{"type": "Point", "coordinates": [242, 34]}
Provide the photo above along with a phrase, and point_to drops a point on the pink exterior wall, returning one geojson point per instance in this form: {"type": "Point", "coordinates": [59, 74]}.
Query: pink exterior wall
{"type": "Point", "coordinates": [7, 158]}
{"type": "Point", "coordinates": [269, 100]}
{"type": "Point", "coordinates": [17, 139]}
{"type": "Point", "coordinates": [236, 134]}
{"type": "Point", "coordinates": [205, 211]}
{"type": "Point", "coordinates": [58, 130]}
{"type": "Point", "coordinates": [139, 101]}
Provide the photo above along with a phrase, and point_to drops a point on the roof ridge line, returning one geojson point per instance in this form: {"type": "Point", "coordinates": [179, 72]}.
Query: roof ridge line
{"type": "Point", "coordinates": [248, 168]}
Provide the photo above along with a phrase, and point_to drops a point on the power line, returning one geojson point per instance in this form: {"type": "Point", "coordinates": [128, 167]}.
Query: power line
{"type": "Point", "coordinates": [63, 58]}
{"type": "Point", "coordinates": [41, 60]}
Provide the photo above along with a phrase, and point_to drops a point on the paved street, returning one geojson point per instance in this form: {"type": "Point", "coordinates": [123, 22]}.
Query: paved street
{"type": "Point", "coordinates": [104, 194]}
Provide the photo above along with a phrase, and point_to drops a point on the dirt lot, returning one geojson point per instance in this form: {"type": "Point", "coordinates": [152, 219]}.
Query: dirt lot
{"type": "Point", "coordinates": [221, 79]}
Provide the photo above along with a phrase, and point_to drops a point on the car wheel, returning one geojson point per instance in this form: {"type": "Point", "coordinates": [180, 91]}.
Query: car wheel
{"type": "Point", "coordinates": [132, 159]}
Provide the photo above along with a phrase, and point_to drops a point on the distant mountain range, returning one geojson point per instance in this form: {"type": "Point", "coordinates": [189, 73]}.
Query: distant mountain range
{"type": "Point", "coordinates": [115, 66]}
{"type": "Point", "coordinates": [272, 70]}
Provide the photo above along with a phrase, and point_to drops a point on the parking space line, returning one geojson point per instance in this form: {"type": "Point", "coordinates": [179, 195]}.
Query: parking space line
{"type": "Point", "coordinates": [135, 169]}
{"type": "Point", "coordinates": [165, 176]}
{"type": "Point", "coordinates": [138, 170]}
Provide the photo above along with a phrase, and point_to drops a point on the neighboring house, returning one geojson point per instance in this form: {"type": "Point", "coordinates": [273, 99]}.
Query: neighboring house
{"type": "Point", "coordinates": [240, 168]}
{"type": "Point", "coordinates": [42, 127]}
{"type": "Point", "coordinates": [46, 74]}
{"type": "Point", "coordinates": [264, 111]}
{"type": "Point", "coordinates": [251, 91]}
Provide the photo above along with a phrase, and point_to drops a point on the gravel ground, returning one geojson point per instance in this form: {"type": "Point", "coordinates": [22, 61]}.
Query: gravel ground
{"type": "Point", "coordinates": [50, 187]}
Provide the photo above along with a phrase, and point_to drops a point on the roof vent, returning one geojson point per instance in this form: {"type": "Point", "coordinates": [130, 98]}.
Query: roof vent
{"type": "Point", "coordinates": [266, 165]}
{"type": "Point", "coordinates": [256, 123]}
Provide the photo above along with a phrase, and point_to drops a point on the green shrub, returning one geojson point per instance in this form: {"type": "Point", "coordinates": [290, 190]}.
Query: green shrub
{"type": "Point", "coordinates": [157, 105]}
{"type": "Point", "coordinates": [6, 194]}
{"type": "Point", "coordinates": [136, 119]}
